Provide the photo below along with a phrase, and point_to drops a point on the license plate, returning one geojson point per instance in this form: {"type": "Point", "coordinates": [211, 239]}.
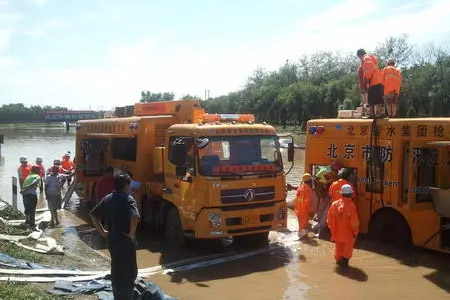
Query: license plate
{"type": "Point", "coordinates": [250, 219]}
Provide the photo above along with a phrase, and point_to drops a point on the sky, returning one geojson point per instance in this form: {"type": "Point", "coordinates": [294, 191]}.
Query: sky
{"type": "Point", "coordinates": [97, 54]}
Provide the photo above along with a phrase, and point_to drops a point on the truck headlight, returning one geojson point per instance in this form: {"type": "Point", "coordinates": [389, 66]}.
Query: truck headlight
{"type": "Point", "coordinates": [281, 214]}
{"type": "Point", "coordinates": [215, 220]}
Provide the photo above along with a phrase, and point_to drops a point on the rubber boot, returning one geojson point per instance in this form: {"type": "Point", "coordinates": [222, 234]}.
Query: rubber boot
{"type": "Point", "coordinates": [32, 220]}
{"type": "Point", "coordinates": [344, 261]}
{"type": "Point", "coordinates": [56, 218]}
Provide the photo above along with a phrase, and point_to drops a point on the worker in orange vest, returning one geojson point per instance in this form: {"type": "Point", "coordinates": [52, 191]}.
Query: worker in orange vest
{"type": "Point", "coordinates": [303, 205]}
{"type": "Point", "coordinates": [392, 81]}
{"type": "Point", "coordinates": [23, 170]}
{"type": "Point", "coordinates": [374, 77]}
{"type": "Point", "coordinates": [344, 225]}
{"type": "Point", "coordinates": [67, 167]}
{"type": "Point", "coordinates": [334, 191]}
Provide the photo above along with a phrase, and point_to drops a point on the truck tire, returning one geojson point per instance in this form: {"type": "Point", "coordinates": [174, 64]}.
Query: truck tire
{"type": "Point", "coordinates": [174, 234]}
{"type": "Point", "coordinates": [389, 226]}
{"type": "Point", "coordinates": [252, 240]}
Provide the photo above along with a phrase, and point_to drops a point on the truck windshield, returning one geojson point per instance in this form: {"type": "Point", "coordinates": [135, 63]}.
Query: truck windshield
{"type": "Point", "coordinates": [240, 155]}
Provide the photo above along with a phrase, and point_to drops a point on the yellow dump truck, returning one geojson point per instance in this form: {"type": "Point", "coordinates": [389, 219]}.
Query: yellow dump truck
{"type": "Point", "coordinates": [196, 174]}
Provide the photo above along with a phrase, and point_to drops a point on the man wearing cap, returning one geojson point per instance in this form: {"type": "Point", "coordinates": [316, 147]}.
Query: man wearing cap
{"type": "Point", "coordinates": [41, 172]}
{"type": "Point", "coordinates": [53, 185]}
{"type": "Point", "coordinates": [23, 170]}
{"type": "Point", "coordinates": [30, 194]}
{"type": "Point", "coordinates": [344, 225]}
{"type": "Point", "coordinates": [120, 213]}
{"type": "Point", "coordinates": [303, 205]}
{"type": "Point", "coordinates": [67, 166]}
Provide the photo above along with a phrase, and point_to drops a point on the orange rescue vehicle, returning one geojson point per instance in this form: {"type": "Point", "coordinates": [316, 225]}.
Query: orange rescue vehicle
{"type": "Point", "coordinates": [197, 175]}
{"type": "Point", "coordinates": [403, 170]}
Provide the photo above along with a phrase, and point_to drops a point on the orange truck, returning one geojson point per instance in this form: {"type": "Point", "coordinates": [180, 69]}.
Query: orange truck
{"type": "Point", "coordinates": [196, 175]}
{"type": "Point", "coordinates": [403, 174]}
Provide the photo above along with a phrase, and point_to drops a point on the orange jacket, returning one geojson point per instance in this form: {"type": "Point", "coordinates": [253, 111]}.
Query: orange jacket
{"type": "Point", "coordinates": [335, 189]}
{"type": "Point", "coordinates": [371, 71]}
{"type": "Point", "coordinates": [67, 164]}
{"type": "Point", "coordinates": [303, 203]}
{"type": "Point", "coordinates": [42, 170]}
{"type": "Point", "coordinates": [343, 221]}
{"type": "Point", "coordinates": [392, 80]}
{"type": "Point", "coordinates": [23, 172]}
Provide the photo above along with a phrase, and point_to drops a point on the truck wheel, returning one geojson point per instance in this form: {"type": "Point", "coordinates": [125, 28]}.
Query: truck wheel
{"type": "Point", "coordinates": [256, 239]}
{"type": "Point", "coordinates": [173, 230]}
{"type": "Point", "coordinates": [391, 228]}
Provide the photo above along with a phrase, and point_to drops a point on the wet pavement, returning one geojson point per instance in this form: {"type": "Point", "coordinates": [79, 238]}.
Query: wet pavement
{"type": "Point", "coordinates": [287, 268]}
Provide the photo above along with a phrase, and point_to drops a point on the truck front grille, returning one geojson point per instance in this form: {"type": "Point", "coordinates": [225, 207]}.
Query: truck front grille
{"type": "Point", "coordinates": [247, 195]}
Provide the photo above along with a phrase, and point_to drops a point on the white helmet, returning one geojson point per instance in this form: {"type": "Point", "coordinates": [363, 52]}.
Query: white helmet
{"type": "Point", "coordinates": [22, 159]}
{"type": "Point", "coordinates": [346, 189]}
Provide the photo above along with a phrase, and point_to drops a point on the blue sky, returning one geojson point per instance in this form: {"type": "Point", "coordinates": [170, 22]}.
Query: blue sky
{"type": "Point", "coordinates": [102, 53]}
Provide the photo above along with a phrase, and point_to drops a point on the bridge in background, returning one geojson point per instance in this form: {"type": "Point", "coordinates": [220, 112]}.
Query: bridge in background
{"type": "Point", "coordinates": [71, 115]}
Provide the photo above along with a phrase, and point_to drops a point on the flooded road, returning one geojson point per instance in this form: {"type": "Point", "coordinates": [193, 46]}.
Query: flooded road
{"type": "Point", "coordinates": [286, 269]}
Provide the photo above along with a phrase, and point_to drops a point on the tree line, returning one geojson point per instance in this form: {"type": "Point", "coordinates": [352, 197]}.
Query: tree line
{"type": "Point", "coordinates": [18, 112]}
{"type": "Point", "coordinates": [317, 85]}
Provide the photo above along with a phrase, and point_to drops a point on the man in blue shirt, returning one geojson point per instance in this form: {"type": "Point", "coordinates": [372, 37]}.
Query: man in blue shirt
{"type": "Point", "coordinates": [121, 216]}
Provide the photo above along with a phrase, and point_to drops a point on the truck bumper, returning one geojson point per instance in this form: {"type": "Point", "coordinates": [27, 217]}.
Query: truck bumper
{"type": "Point", "coordinates": [226, 221]}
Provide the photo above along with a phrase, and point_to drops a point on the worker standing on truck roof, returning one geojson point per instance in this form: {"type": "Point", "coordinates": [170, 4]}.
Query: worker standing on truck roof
{"type": "Point", "coordinates": [23, 170]}
{"type": "Point", "coordinates": [392, 81]}
{"type": "Point", "coordinates": [120, 213]}
{"type": "Point", "coordinates": [344, 225]}
{"type": "Point", "coordinates": [335, 188]}
{"type": "Point", "coordinates": [373, 74]}
{"type": "Point", "coordinates": [363, 86]}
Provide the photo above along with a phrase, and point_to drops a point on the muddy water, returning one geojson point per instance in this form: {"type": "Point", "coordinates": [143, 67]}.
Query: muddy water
{"type": "Point", "coordinates": [289, 269]}
{"type": "Point", "coordinates": [48, 141]}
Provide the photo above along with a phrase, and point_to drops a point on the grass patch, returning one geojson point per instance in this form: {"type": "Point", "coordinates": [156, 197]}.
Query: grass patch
{"type": "Point", "coordinates": [19, 291]}
{"type": "Point", "coordinates": [18, 252]}
{"type": "Point", "coordinates": [8, 212]}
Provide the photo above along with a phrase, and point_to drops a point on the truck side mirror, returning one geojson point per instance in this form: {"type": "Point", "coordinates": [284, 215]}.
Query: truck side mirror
{"type": "Point", "coordinates": [290, 153]}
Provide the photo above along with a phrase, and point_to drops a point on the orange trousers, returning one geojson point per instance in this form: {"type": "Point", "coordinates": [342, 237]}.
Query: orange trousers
{"type": "Point", "coordinates": [343, 250]}
{"type": "Point", "coordinates": [303, 220]}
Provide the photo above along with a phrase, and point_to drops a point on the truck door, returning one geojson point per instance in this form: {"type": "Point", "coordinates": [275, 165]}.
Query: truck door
{"type": "Point", "coordinates": [181, 175]}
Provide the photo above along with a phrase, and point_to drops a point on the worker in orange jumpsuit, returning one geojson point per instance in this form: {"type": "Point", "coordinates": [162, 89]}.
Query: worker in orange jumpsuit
{"type": "Point", "coordinates": [23, 170]}
{"type": "Point", "coordinates": [303, 205]}
{"type": "Point", "coordinates": [344, 225]}
{"type": "Point", "coordinates": [67, 166]}
{"type": "Point", "coordinates": [374, 77]}
{"type": "Point", "coordinates": [392, 81]}
{"type": "Point", "coordinates": [334, 191]}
